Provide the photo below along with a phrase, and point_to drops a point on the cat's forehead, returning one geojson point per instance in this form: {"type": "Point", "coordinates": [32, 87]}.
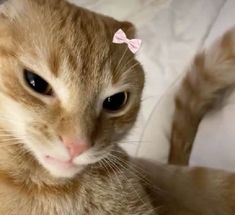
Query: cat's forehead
{"type": "Point", "coordinates": [70, 47]}
{"type": "Point", "coordinates": [63, 45]}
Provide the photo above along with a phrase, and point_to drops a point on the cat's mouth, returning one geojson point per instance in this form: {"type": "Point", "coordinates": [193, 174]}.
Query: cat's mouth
{"type": "Point", "coordinates": [59, 163]}
{"type": "Point", "coordinates": [60, 167]}
{"type": "Point", "coordinates": [68, 167]}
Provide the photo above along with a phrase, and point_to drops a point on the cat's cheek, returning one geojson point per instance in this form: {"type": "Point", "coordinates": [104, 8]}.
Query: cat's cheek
{"type": "Point", "coordinates": [120, 131]}
{"type": "Point", "coordinates": [94, 155]}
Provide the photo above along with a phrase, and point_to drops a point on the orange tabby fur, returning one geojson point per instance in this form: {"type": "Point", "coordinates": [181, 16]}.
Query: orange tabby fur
{"type": "Point", "coordinates": [209, 77]}
{"type": "Point", "coordinates": [72, 48]}
{"type": "Point", "coordinates": [191, 191]}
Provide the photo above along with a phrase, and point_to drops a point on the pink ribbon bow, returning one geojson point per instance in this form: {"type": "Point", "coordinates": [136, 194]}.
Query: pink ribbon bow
{"type": "Point", "coordinates": [133, 44]}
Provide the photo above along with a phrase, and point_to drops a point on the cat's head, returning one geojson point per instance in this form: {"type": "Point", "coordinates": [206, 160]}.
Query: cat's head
{"type": "Point", "coordinates": [67, 93]}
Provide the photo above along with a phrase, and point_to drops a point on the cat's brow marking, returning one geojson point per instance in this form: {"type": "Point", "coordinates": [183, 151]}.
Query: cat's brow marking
{"type": "Point", "coordinates": [54, 63]}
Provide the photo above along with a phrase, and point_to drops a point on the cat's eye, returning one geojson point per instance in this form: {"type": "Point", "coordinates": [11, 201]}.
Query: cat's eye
{"type": "Point", "coordinates": [36, 83]}
{"type": "Point", "coordinates": [115, 102]}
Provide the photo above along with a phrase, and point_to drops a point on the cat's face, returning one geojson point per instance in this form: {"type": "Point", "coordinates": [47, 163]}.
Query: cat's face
{"type": "Point", "coordinates": [66, 92]}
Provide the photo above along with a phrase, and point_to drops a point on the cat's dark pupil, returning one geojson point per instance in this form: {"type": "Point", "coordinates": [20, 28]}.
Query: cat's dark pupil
{"type": "Point", "coordinates": [36, 82]}
{"type": "Point", "coordinates": [115, 102]}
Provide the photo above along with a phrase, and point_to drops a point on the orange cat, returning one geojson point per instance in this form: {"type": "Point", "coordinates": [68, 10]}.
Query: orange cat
{"type": "Point", "coordinates": [67, 96]}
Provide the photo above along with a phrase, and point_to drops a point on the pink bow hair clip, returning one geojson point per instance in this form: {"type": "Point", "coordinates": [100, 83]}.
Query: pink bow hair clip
{"type": "Point", "coordinates": [133, 44]}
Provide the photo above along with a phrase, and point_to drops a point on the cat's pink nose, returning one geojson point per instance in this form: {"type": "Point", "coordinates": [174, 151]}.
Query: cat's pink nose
{"type": "Point", "coordinates": [74, 146]}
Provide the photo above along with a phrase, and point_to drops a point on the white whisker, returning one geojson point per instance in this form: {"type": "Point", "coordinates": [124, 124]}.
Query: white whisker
{"type": "Point", "coordinates": [121, 172]}
{"type": "Point", "coordinates": [136, 171]}
{"type": "Point", "coordinates": [112, 179]}
{"type": "Point", "coordinates": [120, 61]}
{"type": "Point", "coordinates": [132, 67]}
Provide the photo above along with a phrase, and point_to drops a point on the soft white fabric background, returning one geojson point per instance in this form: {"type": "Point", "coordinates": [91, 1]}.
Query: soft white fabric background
{"type": "Point", "coordinates": [172, 31]}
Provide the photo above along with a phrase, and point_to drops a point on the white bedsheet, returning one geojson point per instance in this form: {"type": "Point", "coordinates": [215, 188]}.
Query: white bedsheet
{"type": "Point", "coordinates": [172, 31]}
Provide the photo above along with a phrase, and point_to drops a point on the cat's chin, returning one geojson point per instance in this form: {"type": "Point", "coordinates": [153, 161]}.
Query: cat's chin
{"type": "Point", "coordinates": [60, 169]}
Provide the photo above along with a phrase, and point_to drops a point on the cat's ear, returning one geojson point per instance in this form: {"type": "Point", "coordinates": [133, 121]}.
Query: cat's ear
{"type": "Point", "coordinates": [128, 28]}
